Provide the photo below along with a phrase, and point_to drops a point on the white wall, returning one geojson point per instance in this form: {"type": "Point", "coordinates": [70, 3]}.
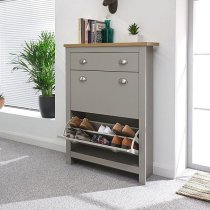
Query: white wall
{"type": "Point", "coordinates": [158, 21]}
{"type": "Point", "coordinates": [181, 86]}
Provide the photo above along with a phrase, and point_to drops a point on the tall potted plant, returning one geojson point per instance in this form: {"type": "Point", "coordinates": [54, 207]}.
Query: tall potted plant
{"type": "Point", "coordinates": [37, 59]}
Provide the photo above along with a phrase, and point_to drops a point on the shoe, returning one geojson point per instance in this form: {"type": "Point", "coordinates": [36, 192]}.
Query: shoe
{"type": "Point", "coordinates": [70, 133]}
{"type": "Point", "coordinates": [117, 129]}
{"type": "Point", "coordinates": [126, 144]}
{"type": "Point", "coordinates": [103, 140]}
{"type": "Point", "coordinates": [94, 139]}
{"type": "Point", "coordinates": [128, 131]}
{"type": "Point", "coordinates": [81, 135]}
{"type": "Point", "coordinates": [108, 130]}
{"type": "Point", "coordinates": [86, 125]}
{"type": "Point", "coordinates": [116, 141]}
{"type": "Point", "coordinates": [101, 129]}
{"type": "Point", "coordinates": [75, 122]}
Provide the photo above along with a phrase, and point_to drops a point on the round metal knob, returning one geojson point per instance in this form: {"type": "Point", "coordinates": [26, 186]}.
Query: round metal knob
{"type": "Point", "coordinates": [123, 81]}
{"type": "Point", "coordinates": [82, 79]}
{"type": "Point", "coordinates": [83, 61]}
{"type": "Point", "coordinates": [123, 61]}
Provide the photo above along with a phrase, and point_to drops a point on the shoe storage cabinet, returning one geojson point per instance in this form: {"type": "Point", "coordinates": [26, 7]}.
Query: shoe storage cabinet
{"type": "Point", "coordinates": [110, 83]}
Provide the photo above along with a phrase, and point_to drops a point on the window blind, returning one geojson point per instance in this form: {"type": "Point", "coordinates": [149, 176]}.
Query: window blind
{"type": "Point", "coordinates": [20, 21]}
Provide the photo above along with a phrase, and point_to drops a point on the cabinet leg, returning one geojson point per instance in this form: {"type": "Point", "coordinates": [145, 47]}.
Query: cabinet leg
{"type": "Point", "coordinates": [69, 159]}
{"type": "Point", "coordinates": [142, 179]}
{"type": "Point", "coordinates": [68, 152]}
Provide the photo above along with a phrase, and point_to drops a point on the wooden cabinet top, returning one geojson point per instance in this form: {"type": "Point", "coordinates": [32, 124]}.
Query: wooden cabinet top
{"type": "Point", "coordinates": [126, 44]}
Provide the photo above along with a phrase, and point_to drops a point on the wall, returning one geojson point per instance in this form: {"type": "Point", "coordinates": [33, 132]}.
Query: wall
{"type": "Point", "coordinates": [181, 86]}
{"type": "Point", "coordinates": [158, 22]}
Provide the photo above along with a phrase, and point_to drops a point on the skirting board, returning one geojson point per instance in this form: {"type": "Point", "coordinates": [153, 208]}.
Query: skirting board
{"type": "Point", "coordinates": [53, 144]}
{"type": "Point", "coordinates": [164, 170]}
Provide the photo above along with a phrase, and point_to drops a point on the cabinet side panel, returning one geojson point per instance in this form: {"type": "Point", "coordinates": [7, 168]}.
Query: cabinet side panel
{"type": "Point", "coordinates": [68, 143]}
{"type": "Point", "coordinates": [149, 111]}
{"type": "Point", "coordinates": [142, 117]}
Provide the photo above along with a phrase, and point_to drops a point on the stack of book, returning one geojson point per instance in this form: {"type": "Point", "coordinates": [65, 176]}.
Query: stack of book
{"type": "Point", "coordinates": [90, 31]}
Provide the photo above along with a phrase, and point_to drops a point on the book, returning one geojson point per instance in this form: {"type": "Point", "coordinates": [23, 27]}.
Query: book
{"type": "Point", "coordinates": [98, 28]}
{"type": "Point", "coordinates": [90, 30]}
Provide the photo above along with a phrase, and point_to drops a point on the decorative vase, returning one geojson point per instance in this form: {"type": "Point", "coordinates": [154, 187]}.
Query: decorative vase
{"type": "Point", "coordinates": [47, 106]}
{"type": "Point", "coordinates": [1, 102]}
{"type": "Point", "coordinates": [107, 33]}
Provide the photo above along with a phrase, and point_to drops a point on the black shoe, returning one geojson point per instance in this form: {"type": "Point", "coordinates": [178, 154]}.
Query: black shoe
{"type": "Point", "coordinates": [94, 139]}
{"type": "Point", "coordinates": [103, 140]}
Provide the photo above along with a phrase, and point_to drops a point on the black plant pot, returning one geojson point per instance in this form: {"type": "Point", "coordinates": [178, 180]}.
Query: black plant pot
{"type": "Point", "coordinates": [47, 106]}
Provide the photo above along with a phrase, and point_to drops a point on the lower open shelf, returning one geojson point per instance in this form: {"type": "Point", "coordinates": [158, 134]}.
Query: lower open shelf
{"type": "Point", "coordinates": [111, 148]}
{"type": "Point", "coordinates": [125, 162]}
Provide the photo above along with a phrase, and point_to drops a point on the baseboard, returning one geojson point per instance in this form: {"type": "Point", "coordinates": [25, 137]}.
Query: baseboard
{"type": "Point", "coordinates": [163, 170]}
{"type": "Point", "coordinates": [53, 144]}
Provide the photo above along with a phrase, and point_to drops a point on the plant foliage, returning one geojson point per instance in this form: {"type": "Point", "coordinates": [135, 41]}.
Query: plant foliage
{"type": "Point", "coordinates": [37, 59]}
{"type": "Point", "coordinates": [1, 95]}
{"type": "Point", "coordinates": [133, 29]}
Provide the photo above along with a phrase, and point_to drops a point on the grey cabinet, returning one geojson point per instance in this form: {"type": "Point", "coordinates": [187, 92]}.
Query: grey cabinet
{"type": "Point", "coordinates": [111, 83]}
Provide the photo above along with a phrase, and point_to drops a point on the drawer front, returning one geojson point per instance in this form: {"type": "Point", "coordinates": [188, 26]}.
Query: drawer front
{"type": "Point", "coordinates": [127, 62]}
{"type": "Point", "coordinates": [108, 93]}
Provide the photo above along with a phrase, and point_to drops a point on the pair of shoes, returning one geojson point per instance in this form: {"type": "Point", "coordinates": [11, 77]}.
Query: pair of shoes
{"type": "Point", "coordinates": [100, 140]}
{"type": "Point", "coordinates": [85, 124]}
{"type": "Point", "coordinates": [77, 134]}
{"type": "Point", "coordinates": [123, 143]}
{"type": "Point", "coordinates": [125, 131]}
{"type": "Point", "coordinates": [105, 130]}
{"type": "Point", "coordinates": [81, 135]}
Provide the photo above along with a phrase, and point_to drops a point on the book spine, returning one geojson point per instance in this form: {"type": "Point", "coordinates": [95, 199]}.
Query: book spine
{"type": "Point", "coordinates": [99, 26]}
{"type": "Point", "coordinates": [89, 31]}
{"type": "Point", "coordinates": [86, 31]}
{"type": "Point", "coordinates": [93, 31]}
{"type": "Point", "coordinates": [82, 31]}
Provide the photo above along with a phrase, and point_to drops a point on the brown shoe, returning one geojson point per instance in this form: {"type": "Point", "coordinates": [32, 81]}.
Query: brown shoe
{"type": "Point", "coordinates": [117, 129]}
{"type": "Point", "coordinates": [126, 144]}
{"type": "Point", "coordinates": [128, 131]}
{"type": "Point", "coordinates": [116, 141]}
{"type": "Point", "coordinates": [75, 122]}
{"type": "Point", "coordinates": [86, 124]}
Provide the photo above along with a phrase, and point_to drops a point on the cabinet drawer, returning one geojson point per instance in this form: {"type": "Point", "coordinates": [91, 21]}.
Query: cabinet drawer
{"type": "Point", "coordinates": [104, 93]}
{"type": "Point", "coordinates": [127, 62]}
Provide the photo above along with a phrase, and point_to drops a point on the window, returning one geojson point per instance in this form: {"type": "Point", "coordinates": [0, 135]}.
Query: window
{"type": "Point", "coordinates": [199, 85]}
{"type": "Point", "coordinates": [21, 21]}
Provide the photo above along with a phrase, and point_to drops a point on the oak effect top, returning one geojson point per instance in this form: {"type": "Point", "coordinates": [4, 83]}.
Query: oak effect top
{"type": "Point", "coordinates": [126, 44]}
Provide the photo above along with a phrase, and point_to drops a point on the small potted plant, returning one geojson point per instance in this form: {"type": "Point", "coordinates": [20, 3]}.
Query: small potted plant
{"type": "Point", "coordinates": [133, 32]}
{"type": "Point", "coordinates": [1, 100]}
{"type": "Point", "coordinates": [37, 59]}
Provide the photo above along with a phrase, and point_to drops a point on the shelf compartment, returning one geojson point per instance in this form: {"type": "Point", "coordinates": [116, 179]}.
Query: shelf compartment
{"type": "Point", "coordinates": [107, 158]}
{"type": "Point", "coordinates": [103, 134]}
{"type": "Point", "coordinates": [110, 148]}
{"type": "Point", "coordinates": [97, 124]}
